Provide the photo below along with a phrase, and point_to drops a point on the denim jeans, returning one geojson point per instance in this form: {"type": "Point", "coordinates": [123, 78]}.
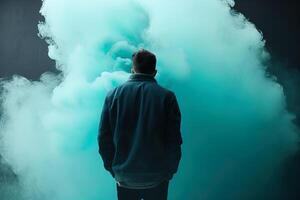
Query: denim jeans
{"type": "Point", "coordinates": [159, 192]}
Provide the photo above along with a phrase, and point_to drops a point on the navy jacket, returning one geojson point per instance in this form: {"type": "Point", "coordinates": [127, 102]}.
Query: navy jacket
{"type": "Point", "coordinates": [139, 131]}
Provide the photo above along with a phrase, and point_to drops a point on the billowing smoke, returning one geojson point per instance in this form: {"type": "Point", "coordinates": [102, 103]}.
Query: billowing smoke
{"type": "Point", "coordinates": [236, 129]}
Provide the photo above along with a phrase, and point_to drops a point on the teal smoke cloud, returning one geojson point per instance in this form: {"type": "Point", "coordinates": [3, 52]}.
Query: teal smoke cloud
{"type": "Point", "coordinates": [236, 128]}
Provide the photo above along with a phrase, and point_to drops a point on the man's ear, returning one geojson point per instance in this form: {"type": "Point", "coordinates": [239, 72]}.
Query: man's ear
{"type": "Point", "coordinates": [154, 73]}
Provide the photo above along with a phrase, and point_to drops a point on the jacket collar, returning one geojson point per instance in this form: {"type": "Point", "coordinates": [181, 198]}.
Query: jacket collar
{"type": "Point", "coordinates": [141, 77]}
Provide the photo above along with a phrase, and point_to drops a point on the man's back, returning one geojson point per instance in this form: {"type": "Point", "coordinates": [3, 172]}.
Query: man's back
{"type": "Point", "coordinates": [143, 120]}
{"type": "Point", "coordinates": [139, 133]}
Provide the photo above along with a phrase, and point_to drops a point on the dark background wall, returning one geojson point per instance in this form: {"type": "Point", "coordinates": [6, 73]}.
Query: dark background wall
{"type": "Point", "coordinates": [279, 22]}
{"type": "Point", "coordinates": [23, 52]}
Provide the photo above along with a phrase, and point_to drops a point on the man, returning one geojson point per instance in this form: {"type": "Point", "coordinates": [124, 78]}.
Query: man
{"type": "Point", "coordinates": [139, 133]}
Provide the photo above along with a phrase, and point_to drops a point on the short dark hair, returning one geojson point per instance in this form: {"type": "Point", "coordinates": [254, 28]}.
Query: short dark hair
{"type": "Point", "coordinates": [144, 61]}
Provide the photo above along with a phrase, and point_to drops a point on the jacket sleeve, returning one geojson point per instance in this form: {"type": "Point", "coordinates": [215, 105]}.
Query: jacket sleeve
{"type": "Point", "coordinates": [173, 134]}
{"type": "Point", "coordinates": [105, 138]}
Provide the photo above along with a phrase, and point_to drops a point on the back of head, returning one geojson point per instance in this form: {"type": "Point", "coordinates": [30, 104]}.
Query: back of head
{"type": "Point", "coordinates": [144, 62]}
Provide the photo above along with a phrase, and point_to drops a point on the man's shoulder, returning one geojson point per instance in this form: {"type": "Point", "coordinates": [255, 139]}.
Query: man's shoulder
{"type": "Point", "coordinates": [158, 89]}
{"type": "Point", "coordinates": [165, 90]}
{"type": "Point", "coordinates": [111, 92]}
